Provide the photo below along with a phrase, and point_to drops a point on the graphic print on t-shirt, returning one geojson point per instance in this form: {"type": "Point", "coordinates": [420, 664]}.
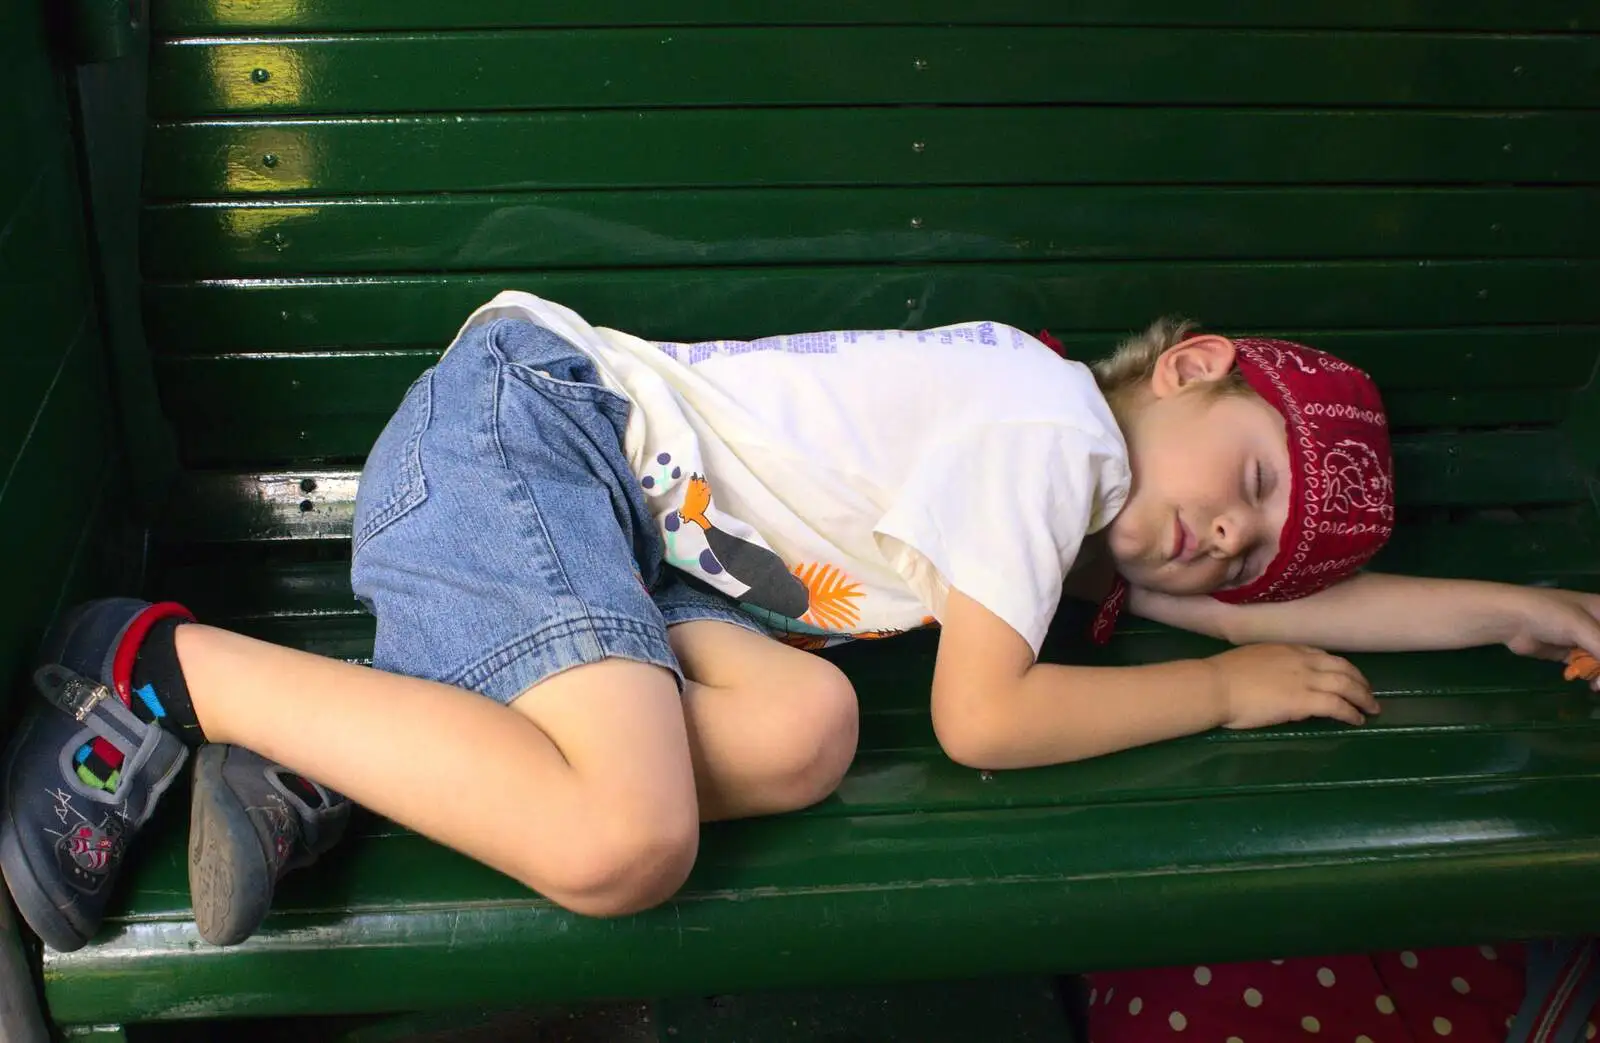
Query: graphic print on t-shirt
{"type": "Point", "coordinates": [772, 586]}
{"type": "Point", "coordinates": [811, 605]}
{"type": "Point", "coordinates": [853, 478]}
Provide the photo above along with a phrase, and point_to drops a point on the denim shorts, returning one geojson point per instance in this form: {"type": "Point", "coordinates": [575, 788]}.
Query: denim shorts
{"type": "Point", "coordinates": [500, 536]}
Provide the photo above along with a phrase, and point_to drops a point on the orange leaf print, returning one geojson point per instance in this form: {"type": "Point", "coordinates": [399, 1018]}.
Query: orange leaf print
{"type": "Point", "coordinates": [833, 597]}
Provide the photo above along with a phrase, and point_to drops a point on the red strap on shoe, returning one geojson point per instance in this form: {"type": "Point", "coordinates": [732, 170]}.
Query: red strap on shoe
{"type": "Point", "coordinates": [133, 637]}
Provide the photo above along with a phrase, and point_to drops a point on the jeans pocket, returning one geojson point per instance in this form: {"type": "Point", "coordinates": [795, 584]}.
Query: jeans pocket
{"type": "Point", "coordinates": [392, 481]}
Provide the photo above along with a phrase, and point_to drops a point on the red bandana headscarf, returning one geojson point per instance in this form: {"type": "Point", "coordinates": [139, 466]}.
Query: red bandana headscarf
{"type": "Point", "coordinates": [1341, 491]}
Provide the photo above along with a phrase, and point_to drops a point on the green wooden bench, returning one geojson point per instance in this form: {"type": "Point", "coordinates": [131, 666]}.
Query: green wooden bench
{"type": "Point", "coordinates": [330, 186]}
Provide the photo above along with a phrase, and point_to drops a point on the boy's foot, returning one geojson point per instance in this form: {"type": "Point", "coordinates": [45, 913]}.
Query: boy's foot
{"type": "Point", "coordinates": [90, 761]}
{"type": "Point", "coordinates": [250, 822]}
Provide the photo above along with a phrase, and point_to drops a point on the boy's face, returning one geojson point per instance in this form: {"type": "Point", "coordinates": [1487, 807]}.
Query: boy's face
{"type": "Point", "coordinates": [1211, 479]}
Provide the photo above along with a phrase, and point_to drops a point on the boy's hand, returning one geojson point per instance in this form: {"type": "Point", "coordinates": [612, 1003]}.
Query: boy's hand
{"type": "Point", "coordinates": [1274, 684]}
{"type": "Point", "coordinates": [1547, 624]}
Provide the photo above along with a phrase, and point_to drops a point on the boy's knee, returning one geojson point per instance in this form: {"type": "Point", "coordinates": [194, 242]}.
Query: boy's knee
{"type": "Point", "coordinates": [820, 744]}
{"type": "Point", "coordinates": [623, 866]}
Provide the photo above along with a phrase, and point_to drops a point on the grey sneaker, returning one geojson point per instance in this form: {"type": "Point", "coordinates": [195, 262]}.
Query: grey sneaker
{"type": "Point", "coordinates": [250, 822]}
{"type": "Point", "coordinates": [84, 771]}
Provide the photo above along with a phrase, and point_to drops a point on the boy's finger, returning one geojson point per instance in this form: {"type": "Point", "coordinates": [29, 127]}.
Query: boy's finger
{"type": "Point", "coordinates": [1350, 687]}
{"type": "Point", "coordinates": [1337, 707]}
{"type": "Point", "coordinates": [1335, 666]}
{"type": "Point", "coordinates": [1589, 635]}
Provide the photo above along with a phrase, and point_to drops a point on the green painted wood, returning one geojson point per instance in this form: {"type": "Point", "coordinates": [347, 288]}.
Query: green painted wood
{"type": "Point", "coordinates": [110, 119]}
{"type": "Point", "coordinates": [206, 16]}
{"type": "Point", "coordinates": [44, 277]}
{"type": "Point", "coordinates": [330, 406]}
{"type": "Point", "coordinates": [348, 635]}
{"type": "Point", "coordinates": [1489, 467]}
{"type": "Point", "coordinates": [1494, 468]}
{"type": "Point", "coordinates": [898, 225]}
{"type": "Point", "coordinates": [1023, 1010]}
{"type": "Point", "coordinates": [56, 425]}
{"type": "Point", "coordinates": [232, 414]}
{"type": "Point", "coordinates": [698, 304]}
{"type": "Point", "coordinates": [1475, 409]}
{"type": "Point", "coordinates": [1464, 360]}
{"type": "Point", "coordinates": [831, 146]}
{"type": "Point", "coordinates": [1430, 216]}
{"type": "Point", "coordinates": [819, 899]}
{"type": "Point", "coordinates": [995, 65]}
{"type": "Point", "coordinates": [1560, 547]}
{"type": "Point", "coordinates": [111, 1033]}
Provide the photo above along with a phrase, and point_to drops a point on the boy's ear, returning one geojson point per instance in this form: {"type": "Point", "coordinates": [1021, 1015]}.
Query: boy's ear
{"type": "Point", "coordinates": [1196, 360]}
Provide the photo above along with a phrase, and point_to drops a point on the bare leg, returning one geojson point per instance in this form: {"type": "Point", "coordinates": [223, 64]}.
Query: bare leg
{"type": "Point", "coordinates": [597, 811]}
{"type": "Point", "coordinates": [584, 788]}
{"type": "Point", "coordinates": [771, 728]}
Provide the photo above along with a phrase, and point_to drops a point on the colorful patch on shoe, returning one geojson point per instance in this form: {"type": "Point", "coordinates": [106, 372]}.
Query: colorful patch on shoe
{"type": "Point", "coordinates": [86, 851]}
{"type": "Point", "coordinates": [99, 765]}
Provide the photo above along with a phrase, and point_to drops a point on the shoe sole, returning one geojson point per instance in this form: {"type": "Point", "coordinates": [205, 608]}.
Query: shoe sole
{"type": "Point", "coordinates": [230, 882]}
{"type": "Point", "coordinates": [41, 914]}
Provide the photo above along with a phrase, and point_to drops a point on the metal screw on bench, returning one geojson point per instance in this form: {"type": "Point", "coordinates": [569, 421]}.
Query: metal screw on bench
{"type": "Point", "coordinates": [261, 75]}
{"type": "Point", "coordinates": [270, 159]}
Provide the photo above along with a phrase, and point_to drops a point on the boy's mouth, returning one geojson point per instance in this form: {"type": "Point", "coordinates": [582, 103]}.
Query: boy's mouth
{"type": "Point", "coordinates": [1183, 541]}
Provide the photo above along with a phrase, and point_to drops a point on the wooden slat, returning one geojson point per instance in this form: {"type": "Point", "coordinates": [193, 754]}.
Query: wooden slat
{"type": "Point", "coordinates": [1469, 468]}
{"type": "Point", "coordinates": [790, 901]}
{"type": "Point", "coordinates": [993, 65]}
{"type": "Point", "coordinates": [278, 407]}
{"type": "Point", "coordinates": [232, 415]}
{"type": "Point", "coordinates": [709, 303]}
{"type": "Point", "coordinates": [866, 225]}
{"type": "Point", "coordinates": [1557, 547]}
{"type": "Point", "coordinates": [207, 16]}
{"type": "Point", "coordinates": [1400, 360]}
{"type": "Point", "coordinates": [1504, 467]}
{"type": "Point", "coordinates": [1560, 547]}
{"type": "Point", "coordinates": [926, 146]}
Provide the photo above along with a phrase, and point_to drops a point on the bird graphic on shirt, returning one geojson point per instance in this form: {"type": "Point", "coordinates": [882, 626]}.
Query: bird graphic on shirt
{"type": "Point", "coordinates": [772, 586]}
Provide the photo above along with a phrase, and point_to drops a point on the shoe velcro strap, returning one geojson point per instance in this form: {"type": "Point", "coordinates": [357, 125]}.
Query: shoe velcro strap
{"type": "Point", "coordinates": [92, 704]}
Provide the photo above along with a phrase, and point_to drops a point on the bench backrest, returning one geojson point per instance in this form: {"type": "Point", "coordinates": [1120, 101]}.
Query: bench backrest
{"type": "Point", "coordinates": [329, 188]}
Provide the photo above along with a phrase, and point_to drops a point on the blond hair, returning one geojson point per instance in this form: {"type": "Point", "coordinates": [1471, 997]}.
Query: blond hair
{"type": "Point", "coordinates": [1134, 362]}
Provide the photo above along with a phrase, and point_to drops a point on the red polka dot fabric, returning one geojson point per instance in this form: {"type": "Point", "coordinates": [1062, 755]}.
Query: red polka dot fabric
{"type": "Point", "coordinates": [1463, 995]}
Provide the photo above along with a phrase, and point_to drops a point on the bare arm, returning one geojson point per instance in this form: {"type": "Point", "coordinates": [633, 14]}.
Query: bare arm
{"type": "Point", "coordinates": [1378, 612]}
{"type": "Point", "coordinates": [994, 707]}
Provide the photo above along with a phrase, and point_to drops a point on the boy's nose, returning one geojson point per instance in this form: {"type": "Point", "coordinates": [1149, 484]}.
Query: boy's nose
{"type": "Point", "coordinates": [1230, 534]}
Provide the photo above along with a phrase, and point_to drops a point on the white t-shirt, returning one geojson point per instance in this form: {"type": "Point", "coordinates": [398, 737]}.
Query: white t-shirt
{"type": "Point", "coordinates": [838, 484]}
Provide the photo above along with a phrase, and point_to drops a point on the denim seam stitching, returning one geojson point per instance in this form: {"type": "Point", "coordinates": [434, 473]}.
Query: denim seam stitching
{"type": "Point", "coordinates": [519, 647]}
{"type": "Point", "coordinates": [491, 339]}
{"type": "Point", "coordinates": [401, 503]}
